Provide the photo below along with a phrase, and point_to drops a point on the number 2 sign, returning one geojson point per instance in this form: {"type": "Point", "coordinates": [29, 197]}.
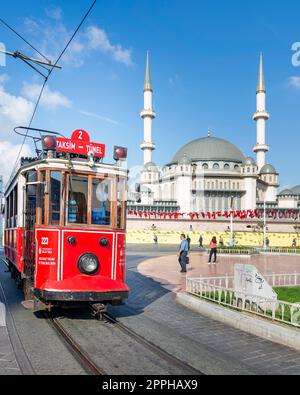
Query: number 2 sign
{"type": "Point", "coordinates": [81, 135]}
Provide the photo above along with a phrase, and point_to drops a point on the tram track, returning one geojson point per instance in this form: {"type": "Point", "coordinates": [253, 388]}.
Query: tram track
{"type": "Point", "coordinates": [77, 351]}
{"type": "Point", "coordinates": [186, 368]}
{"type": "Point", "coordinates": [88, 362]}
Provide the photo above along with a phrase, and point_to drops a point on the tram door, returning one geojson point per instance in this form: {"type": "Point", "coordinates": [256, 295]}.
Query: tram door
{"type": "Point", "coordinates": [29, 232]}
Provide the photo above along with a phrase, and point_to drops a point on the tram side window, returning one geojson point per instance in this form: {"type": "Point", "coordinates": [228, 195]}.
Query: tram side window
{"type": "Point", "coordinates": [11, 208]}
{"type": "Point", "coordinates": [15, 205]}
{"type": "Point", "coordinates": [121, 202]}
{"type": "Point", "coordinates": [101, 201]}
{"type": "Point", "coordinates": [7, 212]}
{"type": "Point", "coordinates": [55, 188]}
{"type": "Point", "coordinates": [78, 200]}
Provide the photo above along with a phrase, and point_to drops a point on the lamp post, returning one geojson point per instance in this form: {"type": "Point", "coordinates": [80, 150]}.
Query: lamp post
{"type": "Point", "coordinates": [231, 222]}
{"type": "Point", "coordinates": [265, 226]}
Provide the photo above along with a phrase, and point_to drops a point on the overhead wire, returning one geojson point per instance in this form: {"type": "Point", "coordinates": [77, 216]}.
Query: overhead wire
{"type": "Point", "coordinates": [49, 73]}
{"type": "Point", "coordinates": [24, 39]}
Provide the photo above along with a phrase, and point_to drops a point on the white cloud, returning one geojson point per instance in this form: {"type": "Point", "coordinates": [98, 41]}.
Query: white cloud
{"type": "Point", "coordinates": [97, 116]}
{"type": "Point", "coordinates": [8, 155]}
{"type": "Point", "coordinates": [53, 35]}
{"type": "Point", "coordinates": [54, 13]}
{"type": "Point", "coordinates": [3, 79]}
{"type": "Point", "coordinates": [98, 40]}
{"type": "Point", "coordinates": [50, 99]}
{"type": "Point", "coordinates": [294, 82]}
{"type": "Point", "coordinates": [173, 81]}
{"type": "Point", "coordinates": [14, 109]}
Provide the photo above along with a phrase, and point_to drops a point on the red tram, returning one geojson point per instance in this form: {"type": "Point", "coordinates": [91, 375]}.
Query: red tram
{"type": "Point", "coordinates": [65, 223]}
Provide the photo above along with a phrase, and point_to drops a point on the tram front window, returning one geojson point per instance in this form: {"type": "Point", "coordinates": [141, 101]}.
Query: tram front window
{"type": "Point", "coordinates": [78, 200]}
{"type": "Point", "coordinates": [55, 182]}
{"type": "Point", "coordinates": [101, 201]}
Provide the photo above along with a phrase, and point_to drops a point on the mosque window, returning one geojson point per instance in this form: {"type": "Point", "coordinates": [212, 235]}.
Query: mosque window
{"type": "Point", "coordinates": [248, 169]}
{"type": "Point", "coordinates": [216, 166]}
{"type": "Point", "coordinates": [208, 185]}
{"type": "Point", "coordinates": [226, 167]}
{"type": "Point", "coordinates": [271, 179]}
{"type": "Point", "coordinates": [212, 185]}
{"type": "Point", "coordinates": [205, 166]}
{"type": "Point", "coordinates": [236, 167]}
{"type": "Point", "coordinates": [225, 185]}
{"type": "Point", "coordinates": [221, 185]}
{"type": "Point", "coordinates": [233, 185]}
{"type": "Point", "coordinates": [238, 185]}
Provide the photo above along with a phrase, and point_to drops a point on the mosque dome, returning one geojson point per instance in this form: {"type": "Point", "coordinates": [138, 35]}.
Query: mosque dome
{"type": "Point", "coordinates": [286, 192]}
{"type": "Point", "coordinates": [209, 149]}
{"type": "Point", "coordinates": [184, 160]}
{"type": "Point", "coordinates": [296, 190]}
{"type": "Point", "coordinates": [249, 162]}
{"type": "Point", "coordinates": [151, 166]}
{"type": "Point", "coordinates": [268, 169]}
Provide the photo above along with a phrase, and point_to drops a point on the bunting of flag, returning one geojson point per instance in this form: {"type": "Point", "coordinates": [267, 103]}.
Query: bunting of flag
{"type": "Point", "coordinates": [293, 215]}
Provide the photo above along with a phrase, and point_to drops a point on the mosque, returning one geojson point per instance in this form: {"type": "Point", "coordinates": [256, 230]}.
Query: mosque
{"type": "Point", "coordinates": [210, 174]}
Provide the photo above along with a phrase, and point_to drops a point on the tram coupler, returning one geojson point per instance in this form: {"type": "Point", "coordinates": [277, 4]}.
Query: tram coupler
{"type": "Point", "coordinates": [98, 310]}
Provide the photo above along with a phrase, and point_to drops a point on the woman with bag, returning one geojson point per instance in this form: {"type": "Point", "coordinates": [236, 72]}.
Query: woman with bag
{"type": "Point", "coordinates": [213, 250]}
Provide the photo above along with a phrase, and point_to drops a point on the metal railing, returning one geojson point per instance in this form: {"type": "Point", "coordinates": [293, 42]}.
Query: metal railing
{"type": "Point", "coordinates": [236, 251]}
{"type": "Point", "coordinates": [275, 280]}
{"type": "Point", "coordinates": [279, 250]}
{"type": "Point", "coordinates": [220, 290]}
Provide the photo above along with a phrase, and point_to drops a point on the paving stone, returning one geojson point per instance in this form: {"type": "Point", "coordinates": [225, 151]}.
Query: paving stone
{"type": "Point", "coordinates": [254, 352]}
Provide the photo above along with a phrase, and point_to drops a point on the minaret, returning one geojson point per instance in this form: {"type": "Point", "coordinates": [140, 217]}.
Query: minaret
{"type": "Point", "coordinates": [148, 115]}
{"type": "Point", "coordinates": [261, 116]}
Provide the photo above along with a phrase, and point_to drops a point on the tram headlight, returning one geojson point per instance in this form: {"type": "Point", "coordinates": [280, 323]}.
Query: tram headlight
{"type": "Point", "coordinates": [88, 264]}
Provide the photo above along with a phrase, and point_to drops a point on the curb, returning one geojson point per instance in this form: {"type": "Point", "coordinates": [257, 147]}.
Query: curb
{"type": "Point", "coordinates": [2, 315]}
{"type": "Point", "coordinates": [253, 325]}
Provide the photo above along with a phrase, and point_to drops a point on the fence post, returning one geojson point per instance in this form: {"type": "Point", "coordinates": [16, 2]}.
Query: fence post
{"type": "Point", "coordinates": [274, 311]}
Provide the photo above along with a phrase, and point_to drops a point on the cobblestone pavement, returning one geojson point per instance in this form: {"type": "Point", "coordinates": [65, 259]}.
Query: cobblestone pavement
{"type": "Point", "coordinates": [207, 345]}
{"type": "Point", "coordinates": [28, 345]}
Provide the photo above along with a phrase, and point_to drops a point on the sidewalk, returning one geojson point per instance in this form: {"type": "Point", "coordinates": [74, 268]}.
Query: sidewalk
{"type": "Point", "coordinates": [166, 269]}
{"type": "Point", "coordinates": [8, 363]}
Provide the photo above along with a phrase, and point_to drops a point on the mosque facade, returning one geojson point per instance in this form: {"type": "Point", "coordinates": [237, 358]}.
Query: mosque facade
{"type": "Point", "coordinates": [210, 174]}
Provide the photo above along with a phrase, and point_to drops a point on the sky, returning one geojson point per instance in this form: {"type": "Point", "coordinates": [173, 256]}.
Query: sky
{"type": "Point", "coordinates": [204, 67]}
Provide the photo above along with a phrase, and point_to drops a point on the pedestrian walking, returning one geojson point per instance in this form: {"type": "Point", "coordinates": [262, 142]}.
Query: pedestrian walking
{"type": "Point", "coordinates": [213, 250]}
{"type": "Point", "coordinates": [201, 242]}
{"type": "Point", "coordinates": [188, 239]}
{"type": "Point", "coordinates": [183, 253]}
{"type": "Point", "coordinates": [221, 242]}
{"type": "Point", "coordinates": [294, 245]}
{"type": "Point", "coordinates": [155, 239]}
